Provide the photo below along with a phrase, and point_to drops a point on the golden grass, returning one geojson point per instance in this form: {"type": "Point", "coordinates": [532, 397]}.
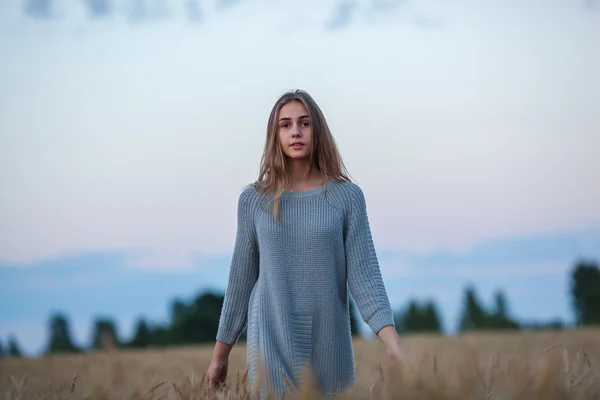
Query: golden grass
{"type": "Point", "coordinates": [498, 366]}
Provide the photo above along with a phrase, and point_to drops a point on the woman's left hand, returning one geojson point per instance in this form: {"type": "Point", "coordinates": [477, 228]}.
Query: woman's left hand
{"type": "Point", "coordinates": [396, 354]}
{"type": "Point", "coordinates": [391, 341]}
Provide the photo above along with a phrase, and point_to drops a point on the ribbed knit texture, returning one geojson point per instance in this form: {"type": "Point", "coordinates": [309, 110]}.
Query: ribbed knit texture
{"type": "Point", "coordinates": [288, 284]}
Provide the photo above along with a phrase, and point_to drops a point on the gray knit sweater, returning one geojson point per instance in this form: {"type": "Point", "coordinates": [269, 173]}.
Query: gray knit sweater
{"type": "Point", "coordinates": [288, 285]}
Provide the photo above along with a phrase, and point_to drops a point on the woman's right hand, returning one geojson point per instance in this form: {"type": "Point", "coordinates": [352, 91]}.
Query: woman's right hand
{"type": "Point", "coordinates": [217, 370]}
{"type": "Point", "coordinates": [216, 375]}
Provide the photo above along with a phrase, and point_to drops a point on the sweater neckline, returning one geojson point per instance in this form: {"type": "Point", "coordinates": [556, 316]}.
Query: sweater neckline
{"type": "Point", "coordinates": [305, 193]}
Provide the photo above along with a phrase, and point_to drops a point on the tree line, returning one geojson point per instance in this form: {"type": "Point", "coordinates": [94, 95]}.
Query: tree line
{"type": "Point", "coordinates": [196, 322]}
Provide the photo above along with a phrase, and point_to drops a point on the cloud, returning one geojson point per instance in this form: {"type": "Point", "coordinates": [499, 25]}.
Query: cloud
{"type": "Point", "coordinates": [379, 13]}
{"type": "Point", "coordinates": [387, 5]}
{"type": "Point", "coordinates": [223, 4]}
{"type": "Point", "coordinates": [426, 21]}
{"type": "Point", "coordinates": [193, 11]}
{"type": "Point", "coordinates": [142, 10]}
{"type": "Point", "coordinates": [342, 15]}
{"type": "Point", "coordinates": [110, 276]}
{"type": "Point", "coordinates": [105, 281]}
{"type": "Point", "coordinates": [99, 8]}
{"type": "Point", "coordinates": [42, 9]}
{"type": "Point", "coordinates": [533, 255]}
{"type": "Point", "coordinates": [525, 269]}
{"type": "Point", "coordinates": [161, 260]}
{"type": "Point", "coordinates": [590, 4]}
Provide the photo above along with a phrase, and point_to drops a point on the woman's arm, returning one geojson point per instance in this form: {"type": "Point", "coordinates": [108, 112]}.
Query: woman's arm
{"type": "Point", "coordinates": [242, 275]}
{"type": "Point", "coordinates": [364, 276]}
{"type": "Point", "coordinates": [365, 280]}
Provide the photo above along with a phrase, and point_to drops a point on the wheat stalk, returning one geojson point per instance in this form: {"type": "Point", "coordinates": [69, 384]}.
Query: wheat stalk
{"type": "Point", "coordinates": [516, 367]}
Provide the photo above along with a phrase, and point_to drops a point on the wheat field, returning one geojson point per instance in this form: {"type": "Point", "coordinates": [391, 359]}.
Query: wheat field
{"type": "Point", "coordinates": [485, 366]}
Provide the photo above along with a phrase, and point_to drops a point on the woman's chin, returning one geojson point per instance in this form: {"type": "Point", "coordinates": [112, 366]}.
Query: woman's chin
{"type": "Point", "coordinates": [297, 156]}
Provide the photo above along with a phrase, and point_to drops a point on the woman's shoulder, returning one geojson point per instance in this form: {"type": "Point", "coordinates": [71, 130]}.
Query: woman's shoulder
{"type": "Point", "coordinates": [347, 187]}
{"type": "Point", "coordinates": [248, 194]}
{"type": "Point", "coordinates": [348, 192]}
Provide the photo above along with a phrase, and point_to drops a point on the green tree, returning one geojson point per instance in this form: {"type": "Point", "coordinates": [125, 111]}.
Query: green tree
{"type": "Point", "coordinates": [13, 347]}
{"type": "Point", "coordinates": [104, 334]}
{"type": "Point", "coordinates": [206, 313]}
{"type": "Point", "coordinates": [474, 316]}
{"type": "Point", "coordinates": [160, 336]}
{"type": "Point", "coordinates": [501, 307]}
{"type": "Point", "coordinates": [418, 318]}
{"type": "Point", "coordinates": [432, 320]}
{"type": "Point", "coordinates": [399, 316]}
{"type": "Point", "coordinates": [499, 319]}
{"type": "Point", "coordinates": [143, 335]}
{"type": "Point", "coordinates": [179, 310]}
{"type": "Point", "coordinates": [411, 321]}
{"type": "Point", "coordinates": [181, 313]}
{"type": "Point", "coordinates": [197, 322]}
{"type": "Point", "coordinates": [1, 349]}
{"type": "Point", "coordinates": [585, 292]}
{"type": "Point", "coordinates": [60, 335]}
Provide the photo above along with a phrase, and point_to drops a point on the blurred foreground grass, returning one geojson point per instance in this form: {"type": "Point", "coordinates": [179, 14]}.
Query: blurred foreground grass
{"type": "Point", "coordinates": [543, 365]}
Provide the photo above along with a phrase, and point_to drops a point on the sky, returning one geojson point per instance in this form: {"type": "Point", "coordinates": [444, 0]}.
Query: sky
{"type": "Point", "coordinates": [126, 135]}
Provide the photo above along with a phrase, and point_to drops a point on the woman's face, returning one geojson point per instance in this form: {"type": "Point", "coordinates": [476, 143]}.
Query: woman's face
{"type": "Point", "coordinates": [295, 131]}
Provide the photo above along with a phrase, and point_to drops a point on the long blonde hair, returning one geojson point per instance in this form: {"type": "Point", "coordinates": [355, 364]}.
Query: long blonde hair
{"type": "Point", "coordinates": [273, 177]}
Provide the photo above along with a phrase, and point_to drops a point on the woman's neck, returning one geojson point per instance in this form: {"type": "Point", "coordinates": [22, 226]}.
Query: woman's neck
{"type": "Point", "coordinates": [298, 170]}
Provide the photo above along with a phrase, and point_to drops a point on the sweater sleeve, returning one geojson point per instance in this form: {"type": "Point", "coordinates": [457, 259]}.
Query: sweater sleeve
{"type": "Point", "coordinates": [242, 275]}
{"type": "Point", "coordinates": [364, 275]}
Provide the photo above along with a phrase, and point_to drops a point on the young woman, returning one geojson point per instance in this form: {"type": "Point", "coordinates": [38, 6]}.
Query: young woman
{"type": "Point", "coordinates": [303, 238]}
